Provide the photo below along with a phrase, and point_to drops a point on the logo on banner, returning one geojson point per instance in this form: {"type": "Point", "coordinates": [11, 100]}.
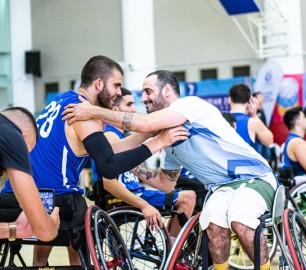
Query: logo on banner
{"type": "Point", "coordinates": [288, 95]}
{"type": "Point", "coordinates": [268, 82]}
{"type": "Point", "coordinates": [191, 88]}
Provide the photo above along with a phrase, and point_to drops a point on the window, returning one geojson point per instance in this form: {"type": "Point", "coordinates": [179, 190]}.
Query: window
{"type": "Point", "coordinates": [51, 87]}
{"type": "Point", "coordinates": [242, 71]}
{"type": "Point", "coordinates": [75, 84]}
{"type": "Point", "coordinates": [211, 73]}
{"type": "Point", "coordinates": [72, 83]}
{"type": "Point", "coordinates": [180, 75]}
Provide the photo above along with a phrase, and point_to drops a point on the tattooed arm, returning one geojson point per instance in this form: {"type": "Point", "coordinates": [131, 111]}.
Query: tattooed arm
{"type": "Point", "coordinates": [125, 120]}
{"type": "Point", "coordinates": [161, 179]}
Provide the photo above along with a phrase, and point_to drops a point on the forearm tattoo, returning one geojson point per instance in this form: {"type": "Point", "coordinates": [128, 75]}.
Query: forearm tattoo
{"type": "Point", "coordinates": [172, 175]}
{"type": "Point", "coordinates": [143, 171]}
{"type": "Point", "coordinates": [127, 121]}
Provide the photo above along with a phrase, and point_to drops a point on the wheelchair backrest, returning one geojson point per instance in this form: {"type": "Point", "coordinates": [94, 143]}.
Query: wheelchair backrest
{"type": "Point", "coordinates": [279, 202]}
{"type": "Point", "coordinates": [285, 176]}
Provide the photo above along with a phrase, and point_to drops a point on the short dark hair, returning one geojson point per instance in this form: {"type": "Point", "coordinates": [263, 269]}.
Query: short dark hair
{"type": "Point", "coordinates": [291, 116]}
{"type": "Point", "coordinates": [98, 67]}
{"type": "Point", "coordinates": [255, 94]}
{"type": "Point", "coordinates": [27, 113]}
{"type": "Point", "coordinates": [304, 111]}
{"type": "Point", "coordinates": [230, 118]}
{"type": "Point", "coordinates": [166, 77]}
{"type": "Point", "coordinates": [240, 93]}
{"type": "Point", "coordinates": [124, 92]}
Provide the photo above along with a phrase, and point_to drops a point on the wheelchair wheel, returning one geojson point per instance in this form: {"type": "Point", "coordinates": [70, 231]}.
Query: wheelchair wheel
{"type": "Point", "coordinates": [105, 243]}
{"type": "Point", "coordinates": [239, 259]}
{"type": "Point", "coordinates": [187, 250]}
{"type": "Point", "coordinates": [148, 248]}
{"type": "Point", "coordinates": [295, 231]}
{"type": "Point", "coordinates": [4, 250]}
{"type": "Point", "coordinates": [298, 194]}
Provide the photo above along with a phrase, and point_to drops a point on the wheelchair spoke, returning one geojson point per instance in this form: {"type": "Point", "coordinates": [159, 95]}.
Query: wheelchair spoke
{"type": "Point", "coordinates": [148, 249]}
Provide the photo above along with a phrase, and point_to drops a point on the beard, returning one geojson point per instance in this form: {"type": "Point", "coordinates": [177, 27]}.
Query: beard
{"type": "Point", "coordinates": [104, 98]}
{"type": "Point", "coordinates": [159, 104]}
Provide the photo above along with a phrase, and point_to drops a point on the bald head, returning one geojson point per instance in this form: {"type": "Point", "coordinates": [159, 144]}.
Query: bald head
{"type": "Point", "coordinates": [23, 119]}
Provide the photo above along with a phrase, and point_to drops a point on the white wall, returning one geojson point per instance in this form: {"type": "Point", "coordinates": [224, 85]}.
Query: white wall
{"type": "Point", "coordinates": [68, 33]}
{"type": "Point", "coordinates": [303, 20]}
{"type": "Point", "coordinates": [20, 34]}
{"type": "Point", "coordinates": [198, 35]}
{"type": "Point", "coordinates": [189, 36]}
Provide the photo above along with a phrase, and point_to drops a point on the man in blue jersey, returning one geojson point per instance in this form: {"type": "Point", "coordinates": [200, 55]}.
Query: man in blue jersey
{"type": "Point", "coordinates": [132, 192]}
{"type": "Point", "coordinates": [295, 146]}
{"type": "Point", "coordinates": [249, 125]}
{"type": "Point", "coordinates": [62, 150]}
{"type": "Point", "coordinates": [18, 136]}
{"type": "Point", "coordinates": [242, 182]}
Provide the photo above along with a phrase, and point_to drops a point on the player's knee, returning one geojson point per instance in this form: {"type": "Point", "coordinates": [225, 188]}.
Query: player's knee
{"type": "Point", "coordinates": [191, 197]}
{"type": "Point", "coordinates": [187, 199]}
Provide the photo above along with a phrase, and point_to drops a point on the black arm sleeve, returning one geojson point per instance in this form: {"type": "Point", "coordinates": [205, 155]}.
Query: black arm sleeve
{"type": "Point", "coordinates": [108, 164]}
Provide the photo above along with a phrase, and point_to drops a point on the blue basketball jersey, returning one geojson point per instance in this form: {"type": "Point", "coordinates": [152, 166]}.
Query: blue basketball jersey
{"type": "Point", "coordinates": [298, 170]}
{"type": "Point", "coordinates": [54, 163]}
{"type": "Point", "coordinates": [242, 121]}
{"type": "Point", "coordinates": [214, 152]}
{"type": "Point", "coordinates": [128, 179]}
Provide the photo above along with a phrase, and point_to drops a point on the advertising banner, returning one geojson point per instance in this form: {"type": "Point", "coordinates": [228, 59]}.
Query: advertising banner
{"type": "Point", "coordinates": [290, 94]}
{"type": "Point", "coordinates": [268, 83]}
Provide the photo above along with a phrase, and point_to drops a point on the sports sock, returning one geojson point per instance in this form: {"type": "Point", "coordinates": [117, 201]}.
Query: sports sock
{"type": "Point", "coordinates": [266, 266]}
{"type": "Point", "coordinates": [222, 266]}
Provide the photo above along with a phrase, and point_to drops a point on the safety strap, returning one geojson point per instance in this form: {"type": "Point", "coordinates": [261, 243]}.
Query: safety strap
{"type": "Point", "coordinates": [257, 246]}
{"type": "Point", "coordinates": [204, 250]}
{"type": "Point", "coordinates": [182, 218]}
{"type": "Point", "coordinates": [168, 204]}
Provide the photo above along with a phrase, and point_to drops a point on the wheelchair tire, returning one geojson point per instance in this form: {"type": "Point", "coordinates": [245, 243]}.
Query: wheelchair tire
{"type": "Point", "coordinates": [106, 246]}
{"type": "Point", "coordinates": [148, 249]}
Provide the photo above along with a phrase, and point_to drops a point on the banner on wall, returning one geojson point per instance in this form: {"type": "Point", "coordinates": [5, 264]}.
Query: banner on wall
{"type": "Point", "coordinates": [221, 102]}
{"type": "Point", "coordinates": [290, 95]}
{"type": "Point", "coordinates": [268, 82]}
{"type": "Point", "coordinates": [214, 91]}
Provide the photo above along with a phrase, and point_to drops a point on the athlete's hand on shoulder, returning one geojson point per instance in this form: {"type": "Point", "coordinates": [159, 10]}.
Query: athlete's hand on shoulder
{"type": "Point", "coordinates": [76, 112]}
{"type": "Point", "coordinates": [171, 135]}
{"type": "Point", "coordinates": [152, 216]}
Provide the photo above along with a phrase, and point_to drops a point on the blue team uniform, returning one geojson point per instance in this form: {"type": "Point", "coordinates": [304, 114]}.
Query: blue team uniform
{"type": "Point", "coordinates": [298, 170]}
{"type": "Point", "coordinates": [54, 163]}
{"type": "Point", "coordinates": [242, 121]}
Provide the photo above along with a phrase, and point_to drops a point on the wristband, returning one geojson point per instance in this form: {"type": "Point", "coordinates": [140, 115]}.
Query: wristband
{"type": "Point", "coordinates": [12, 231]}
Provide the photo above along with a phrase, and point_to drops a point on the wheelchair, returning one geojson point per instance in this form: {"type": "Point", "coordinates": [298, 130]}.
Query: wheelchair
{"type": "Point", "coordinates": [148, 249]}
{"type": "Point", "coordinates": [191, 249]}
{"type": "Point", "coordinates": [297, 187]}
{"type": "Point", "coordinates": [69, 233]}
{"type": "Point", "coordinates": [105, 243]}
{"type": "Point", "coordinates": [289, 232]}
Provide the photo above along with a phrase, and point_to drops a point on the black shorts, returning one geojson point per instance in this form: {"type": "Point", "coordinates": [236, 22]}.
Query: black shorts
{"type": "Point", "coordinates": [72, 210]}
{"type": "Point", "coordinates": [72, 217]}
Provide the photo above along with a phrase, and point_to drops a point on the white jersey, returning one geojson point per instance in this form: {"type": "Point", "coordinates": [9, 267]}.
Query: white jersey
{"type": "Point", "coordinates": [214, 152]}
